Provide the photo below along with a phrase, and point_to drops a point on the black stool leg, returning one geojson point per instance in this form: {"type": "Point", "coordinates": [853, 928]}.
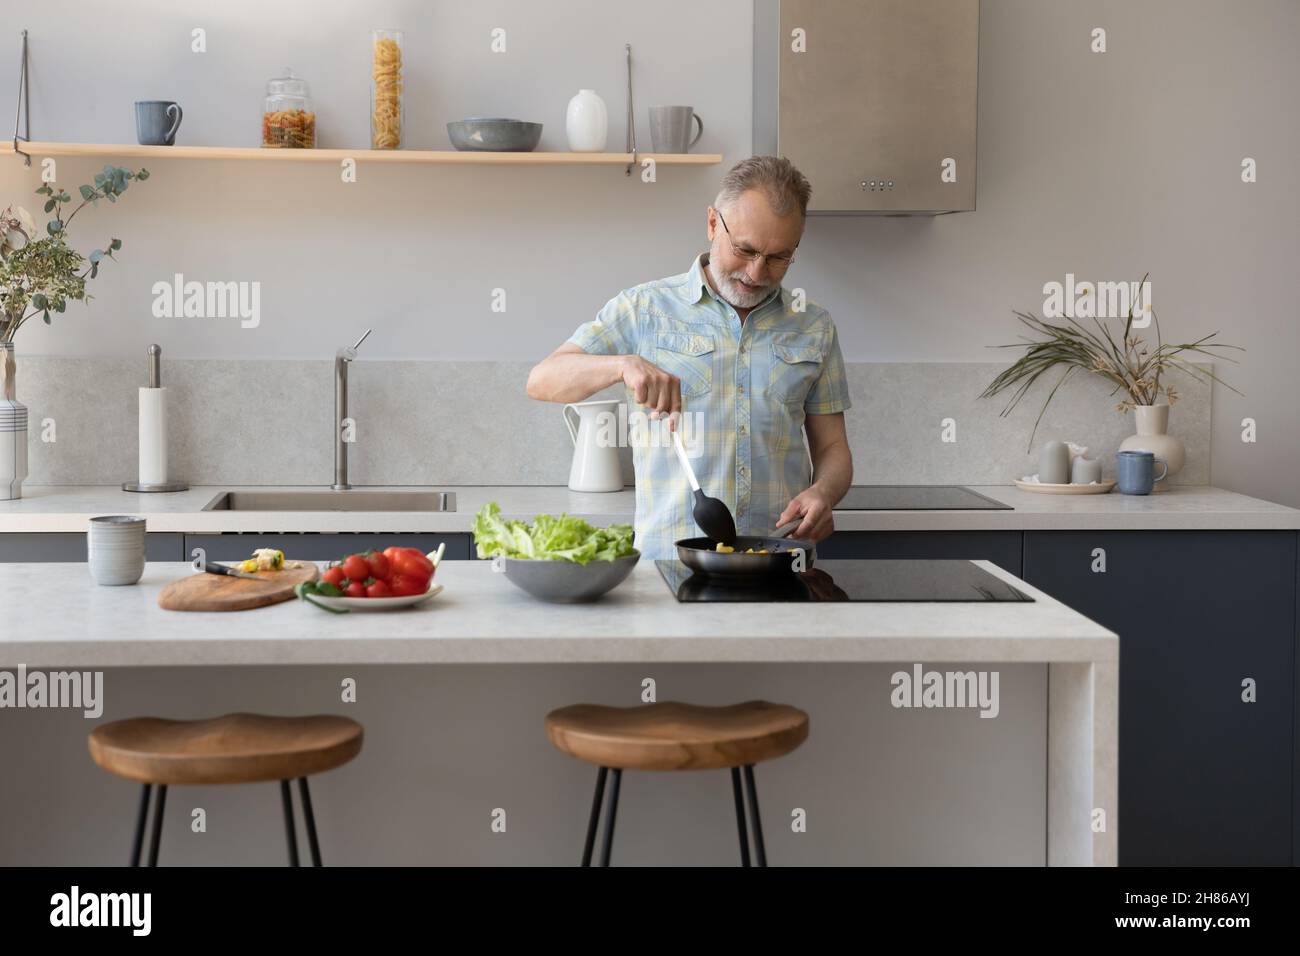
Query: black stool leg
{"type": "Point", "coordinates": [754, 817]}
{"type": "Point", "coordinates": [157, 823]}
{"type": "Point", "coordinates": [610, 813]}
{"type": "Point", "coordinates": [305, 797]}
{"type": "Point", "coordinates": [740, 816]}
{"type": "Point", "coordinates": [289, 831]}
{"type": "Point", "coordinates": [138, 844]}
{"type": "Point", "coordinates": [590, 843]}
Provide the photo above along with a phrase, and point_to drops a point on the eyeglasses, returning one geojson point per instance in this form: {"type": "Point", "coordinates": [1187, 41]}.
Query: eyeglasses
{"type": "Point", "coordinates": [778, 263]}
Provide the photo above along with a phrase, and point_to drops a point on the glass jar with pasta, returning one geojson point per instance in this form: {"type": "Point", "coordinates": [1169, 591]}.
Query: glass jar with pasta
{"type": "Point", "coordinates": [386, 89]}
{"type": "Point", "coordinates": [288, 120]}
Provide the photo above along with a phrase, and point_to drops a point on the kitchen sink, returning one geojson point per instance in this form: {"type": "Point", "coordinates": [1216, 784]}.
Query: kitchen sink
{"type": "Point", "coordinates": [325, 500]}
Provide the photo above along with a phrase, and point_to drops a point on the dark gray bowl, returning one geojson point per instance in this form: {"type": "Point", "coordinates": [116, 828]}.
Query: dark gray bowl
{"type": "Point", "coordinates": [567, 583]}
{"type": "Point", "coordinates": [484, 134]}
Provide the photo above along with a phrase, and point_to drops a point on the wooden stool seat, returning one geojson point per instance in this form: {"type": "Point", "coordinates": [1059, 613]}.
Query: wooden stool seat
{"type": "Point", "coordinates": [674, 736]}
{"type": "Point", "coordinates": [235, 748]}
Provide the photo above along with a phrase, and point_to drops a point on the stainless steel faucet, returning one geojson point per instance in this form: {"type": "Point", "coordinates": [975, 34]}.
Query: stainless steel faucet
{"type": "Point", "coordinates": [341, 359]}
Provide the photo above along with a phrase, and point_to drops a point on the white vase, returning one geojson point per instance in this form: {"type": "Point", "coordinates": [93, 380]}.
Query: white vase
{"type": "Point", "coordinates": [13, 430]}
{"type": "Point", "coordinates": [587, 123]}
{"type": "Point", "coordinates": [1152, 435]}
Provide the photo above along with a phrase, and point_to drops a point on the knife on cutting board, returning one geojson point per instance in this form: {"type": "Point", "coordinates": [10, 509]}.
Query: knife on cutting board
{"type": "Point", "coordinates": [222, 569]}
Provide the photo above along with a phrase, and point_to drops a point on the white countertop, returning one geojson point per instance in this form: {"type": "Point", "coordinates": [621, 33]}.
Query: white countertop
{"type": "Point", "coordinates": [66, 508]}
{"type": "Point", "coordinates": [55, 616]}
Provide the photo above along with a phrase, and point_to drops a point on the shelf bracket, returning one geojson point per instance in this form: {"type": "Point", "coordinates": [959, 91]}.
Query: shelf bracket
{"type": "Point", "coordinates": [23, 114]}
{"type": "Point", "coordinates": [631, 116]}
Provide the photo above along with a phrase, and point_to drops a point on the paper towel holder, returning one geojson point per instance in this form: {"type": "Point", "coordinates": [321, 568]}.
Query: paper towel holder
{"type": "Point", "coordinates": [145, 486]}
{"type": "Point", "coordinates": [155, 381]}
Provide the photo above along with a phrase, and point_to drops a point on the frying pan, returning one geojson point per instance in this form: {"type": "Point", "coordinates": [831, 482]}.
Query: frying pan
{"type": "Point", "coordinates": [700, 554]}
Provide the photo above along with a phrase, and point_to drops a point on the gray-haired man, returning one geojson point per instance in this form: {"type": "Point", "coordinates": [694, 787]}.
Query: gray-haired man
{"type": "Point", "coordinates": [726, 343]}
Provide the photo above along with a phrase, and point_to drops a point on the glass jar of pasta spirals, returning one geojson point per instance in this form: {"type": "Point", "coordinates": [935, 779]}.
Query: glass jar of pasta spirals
{"type": "Point", "coordinates": [288, 120]}
{"type": "Point", "coordinates": [386, 89]}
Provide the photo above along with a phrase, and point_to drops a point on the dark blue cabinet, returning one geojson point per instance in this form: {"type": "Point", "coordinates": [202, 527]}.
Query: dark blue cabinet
{"type": "Point", "coordinates": [39, 546]}
{"type": "Point", "coordinates": [1205, 778]}
{"type": "Point", "coordinates": [1001, 547]}
{"type": "Point", "coordinates": [172, 546]}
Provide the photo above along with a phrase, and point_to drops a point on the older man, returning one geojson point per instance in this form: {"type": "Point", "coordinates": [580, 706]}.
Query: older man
{"type": "Point", "coordinates": [751, 363]}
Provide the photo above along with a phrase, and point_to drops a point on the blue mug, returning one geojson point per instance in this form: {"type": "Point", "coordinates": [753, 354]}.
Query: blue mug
{"type": "Point", "coordinates": [1135, 472]}
{"type": "Point", "coordinates": [156, 122]}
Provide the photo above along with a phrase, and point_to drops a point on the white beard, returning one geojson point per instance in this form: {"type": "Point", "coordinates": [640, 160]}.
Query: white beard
{"type": "Point", "coordinates": [739, 295]}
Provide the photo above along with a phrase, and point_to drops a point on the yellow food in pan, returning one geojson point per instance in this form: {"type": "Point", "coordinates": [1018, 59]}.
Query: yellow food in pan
{"type": "Point", "coordinates": [728, 549]}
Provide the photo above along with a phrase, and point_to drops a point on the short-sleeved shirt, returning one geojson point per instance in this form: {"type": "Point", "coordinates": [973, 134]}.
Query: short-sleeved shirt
{"type": "Point", "coordinates": [746, 389]}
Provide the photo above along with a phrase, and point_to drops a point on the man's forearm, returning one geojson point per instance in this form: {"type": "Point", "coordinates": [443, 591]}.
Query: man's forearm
{"type": "Point", "coordinates": [833, 470]}
{"type": "Point", "coordinates": [573, 376]}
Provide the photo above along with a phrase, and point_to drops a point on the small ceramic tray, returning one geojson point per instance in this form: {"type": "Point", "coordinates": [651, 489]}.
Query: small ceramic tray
{"type": "Point", "coordinates": [1039, 488]}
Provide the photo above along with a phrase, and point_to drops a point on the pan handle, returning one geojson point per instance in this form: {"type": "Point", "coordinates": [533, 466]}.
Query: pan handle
{"type": "Point", "coordinates": [785, 529]}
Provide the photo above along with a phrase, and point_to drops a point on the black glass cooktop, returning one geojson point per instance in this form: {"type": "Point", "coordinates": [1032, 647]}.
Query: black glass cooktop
{"type": "Point", "coordinates": [859, 580]}
{"type": "Point", "coordinates": [917, 498]}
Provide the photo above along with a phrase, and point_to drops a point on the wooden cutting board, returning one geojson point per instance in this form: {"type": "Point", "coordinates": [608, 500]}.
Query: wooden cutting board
{"type": "Point", "coordinates": [220, 592]}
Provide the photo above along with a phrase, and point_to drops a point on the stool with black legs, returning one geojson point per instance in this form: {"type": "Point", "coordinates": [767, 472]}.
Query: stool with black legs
{"type": "Point", "coordinates": [677, 736]}
{"type": "Point", "coordinates": [236, 748]}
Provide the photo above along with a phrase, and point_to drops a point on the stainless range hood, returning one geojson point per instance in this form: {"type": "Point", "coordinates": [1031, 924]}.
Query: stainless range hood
{"type": "Point", "coordinates": [878, 107]}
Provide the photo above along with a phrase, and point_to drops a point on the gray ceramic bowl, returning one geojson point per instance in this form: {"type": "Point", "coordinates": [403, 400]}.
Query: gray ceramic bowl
{"type": "Point", "coordinates": [491, 135]}
{"type": "Point", "coordinates": [567, 583]}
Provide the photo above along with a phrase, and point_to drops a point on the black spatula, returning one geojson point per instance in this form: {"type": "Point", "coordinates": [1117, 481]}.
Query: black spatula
{"type": "Point", "coordinates": [712, 515]}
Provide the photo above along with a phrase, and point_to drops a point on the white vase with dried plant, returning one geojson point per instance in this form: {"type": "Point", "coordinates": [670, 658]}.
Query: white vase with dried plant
{"type": "Point", "coordinates": [1129, 363]}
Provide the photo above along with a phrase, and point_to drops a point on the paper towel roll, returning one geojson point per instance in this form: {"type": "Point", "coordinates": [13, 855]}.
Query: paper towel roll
{"type": "Point", "coordinates": [153, 436]}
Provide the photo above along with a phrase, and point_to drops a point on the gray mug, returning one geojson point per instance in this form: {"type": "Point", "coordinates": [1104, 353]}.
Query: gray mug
{"type": "Point", "coordinates": [156, 122]}
{"type": "Point", "coordinates": [670, 128]}
{"type": "Point", "coordinates": [1135, 472]}
{"type": "Point", "coordinates": [115, 549]}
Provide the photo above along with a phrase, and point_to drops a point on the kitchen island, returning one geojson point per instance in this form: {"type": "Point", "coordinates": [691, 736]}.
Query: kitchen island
{"type": "Point", "coordinates": [58, 620]}
{"type": "Point", "coordinates": [1200, 583]}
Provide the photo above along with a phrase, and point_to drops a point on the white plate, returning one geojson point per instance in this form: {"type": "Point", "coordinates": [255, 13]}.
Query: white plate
{"type": "Point", "coordinates": [377, 604]}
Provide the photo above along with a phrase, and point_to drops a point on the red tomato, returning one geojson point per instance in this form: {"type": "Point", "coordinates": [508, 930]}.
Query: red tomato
{"type": "Point", "coordinates": [413, 562]}
{"type": "Point", "coordinates": [355, 568]}
{"type": "Point", "coordinates": [379, 589]}
{"type": "Point", "coordinates": [334, 576]}
{"type": "Point", "coordinates": [355, 589]}
{"type": "Point", "coordinates": [378, 563]}
{"type": "Point", "coordinates": [391, 553]}
{"type": "Point", "coordinates": [403, 585]}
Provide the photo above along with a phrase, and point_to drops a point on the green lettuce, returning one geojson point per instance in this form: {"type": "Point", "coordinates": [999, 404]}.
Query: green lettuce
{"type": "Point", "coordinates": [548, 538]}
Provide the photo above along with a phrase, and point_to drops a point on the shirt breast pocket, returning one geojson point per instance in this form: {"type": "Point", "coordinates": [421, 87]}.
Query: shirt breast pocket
{"type": "Point", "coordinates": [689, 356]}
{"type": "Point", "coordinates": [795, 369]}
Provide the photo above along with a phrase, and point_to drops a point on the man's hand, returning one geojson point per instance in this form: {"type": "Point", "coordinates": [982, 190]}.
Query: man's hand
{"type": "Point", "coordinates": [653, 388]}
{"type": "Point", "coordinates": [814, 507]}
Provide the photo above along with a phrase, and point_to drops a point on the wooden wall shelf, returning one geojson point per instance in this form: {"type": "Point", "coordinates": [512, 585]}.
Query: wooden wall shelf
{"type": "Point", "coordinates": [449, 157]}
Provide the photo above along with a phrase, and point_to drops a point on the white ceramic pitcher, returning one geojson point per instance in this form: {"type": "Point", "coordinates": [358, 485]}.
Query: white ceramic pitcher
{"type": "Point", "coordinates": [596, 464]}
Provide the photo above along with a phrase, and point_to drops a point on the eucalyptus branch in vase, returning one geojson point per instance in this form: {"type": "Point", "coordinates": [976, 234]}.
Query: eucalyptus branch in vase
{"type": "Point", "coordinates": [1130, 364]}
{"type": "Point", "coordinates": [41, 274]}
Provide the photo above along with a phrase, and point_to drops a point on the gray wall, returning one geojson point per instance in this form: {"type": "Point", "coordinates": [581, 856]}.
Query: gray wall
{"type": "Point", "coordinates": [1104, 165]}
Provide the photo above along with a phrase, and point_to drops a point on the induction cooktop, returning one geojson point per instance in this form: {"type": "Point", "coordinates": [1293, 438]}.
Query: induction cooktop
{"type": "Point", "coordinates": [917, 498]}
{"type": "Point", "coordinates": [907, 580]}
